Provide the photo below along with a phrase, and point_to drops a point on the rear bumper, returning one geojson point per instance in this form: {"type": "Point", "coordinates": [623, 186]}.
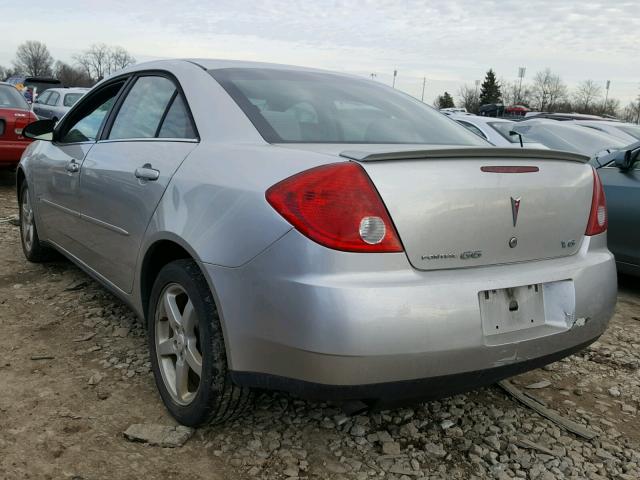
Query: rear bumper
{"type": "Point", "coordinates": [10, 152]}
{"type": "Point", "coordinates": [300, 315]}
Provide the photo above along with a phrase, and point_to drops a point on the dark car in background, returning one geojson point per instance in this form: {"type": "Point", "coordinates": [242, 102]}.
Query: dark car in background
{"type": "Point", "coordinates": [620, 174]}
{"type": "Point", "coordinates": [55, 102]}
{"type": "Point", "coordinates": [35, 85]}
{"type": "Point", "coordinates": [15, 114]}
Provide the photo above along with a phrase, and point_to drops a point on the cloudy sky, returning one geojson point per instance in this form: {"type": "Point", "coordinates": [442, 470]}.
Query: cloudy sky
{"type": "Point", "coordinates": [448, 42]}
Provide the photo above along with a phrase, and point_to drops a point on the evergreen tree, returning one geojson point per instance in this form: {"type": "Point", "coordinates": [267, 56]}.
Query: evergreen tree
{"type": "Point", "coordinates": [444, 101]}
{"type": "Point", "coordinates": [490, 90]}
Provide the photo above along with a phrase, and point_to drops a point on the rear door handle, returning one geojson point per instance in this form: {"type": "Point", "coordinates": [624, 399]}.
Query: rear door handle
{"type": "Point", "coordinates": [146, 172]}
{"type": "Point", "coordinates": [72, 167]}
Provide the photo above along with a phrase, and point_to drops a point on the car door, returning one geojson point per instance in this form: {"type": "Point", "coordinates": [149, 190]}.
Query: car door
{"type": "Point", "coordinates": [622, 190]}
{"type": "Point", "coordinates": [39, 106]}
{"type": "Point", "coordinates": [125, 175]}
{"type": "Point", "coordinates": [57, 178]}
{"type": "Point", "coordinates": [50, 105]}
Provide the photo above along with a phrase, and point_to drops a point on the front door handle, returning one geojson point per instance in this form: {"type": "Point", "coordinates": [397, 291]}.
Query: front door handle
{"type": "Point", "coordinates": [148, 173]}
{"type": "Point", "coordinates": [72, 167]}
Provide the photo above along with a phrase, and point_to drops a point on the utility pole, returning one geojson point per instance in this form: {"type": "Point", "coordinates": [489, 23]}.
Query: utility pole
{"type": "Point", "coordinates": [395, 74]}
{"type": "Point", "coordinates": [606, 96]}
{"type": "Point", "coordinates": [424, 82]}
{"type": "Point", "coordinates": [521, 72]}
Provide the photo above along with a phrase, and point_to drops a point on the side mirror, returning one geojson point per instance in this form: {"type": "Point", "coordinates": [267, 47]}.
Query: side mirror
{"type": "Point", "coordinates": [625, 159]}
{"type": "Point", "coordinates": [40, 130]}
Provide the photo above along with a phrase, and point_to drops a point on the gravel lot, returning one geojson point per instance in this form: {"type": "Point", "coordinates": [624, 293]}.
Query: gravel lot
{"type": "Point", "coordinates": [75, 375]}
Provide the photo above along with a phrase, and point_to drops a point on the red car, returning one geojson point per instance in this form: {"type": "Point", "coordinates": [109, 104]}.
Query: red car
{"type": "Point", "coordinates": [516, 110]}
{"type": "Point", "coordinates": [15, 114]}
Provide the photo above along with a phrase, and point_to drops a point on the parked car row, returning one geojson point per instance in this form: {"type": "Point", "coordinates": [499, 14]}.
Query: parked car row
{"type": "Point", "coordinates": [16, 113]}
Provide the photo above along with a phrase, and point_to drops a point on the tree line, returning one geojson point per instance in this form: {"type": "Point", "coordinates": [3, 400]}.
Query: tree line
{"type": "Point", "coordinates": [89, 67]}
{"type": "Point", "coordinates": [546, 93]}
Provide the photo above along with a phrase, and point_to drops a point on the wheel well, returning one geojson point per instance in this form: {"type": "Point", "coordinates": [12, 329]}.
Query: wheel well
{"type": "Point", "coordinates": [158, 255]}
{"type": "Point", "coordinates": [19, 181]}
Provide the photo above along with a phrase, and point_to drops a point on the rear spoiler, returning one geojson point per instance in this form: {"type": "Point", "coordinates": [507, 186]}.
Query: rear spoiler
{"type": "Point", "coordinates": [465, 152]}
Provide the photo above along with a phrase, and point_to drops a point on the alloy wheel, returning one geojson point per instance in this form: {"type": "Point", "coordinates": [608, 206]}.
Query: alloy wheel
{"type": "Point", "coordinates": [177, 344]}
{"type": "Point", "coordinates": [27, 223]}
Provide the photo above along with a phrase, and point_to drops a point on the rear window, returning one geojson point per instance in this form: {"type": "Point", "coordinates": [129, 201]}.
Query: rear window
{"type": "Point", "coordinates": [12, 98]}
{"type": "Point", "coordinates": [631, 130]}
{"type": "Point", "coordinates": [503, 128]}
{"type": "Point", "coordinates": [288, 106]}
{"type": "Point", "coordinates": [71, 98]}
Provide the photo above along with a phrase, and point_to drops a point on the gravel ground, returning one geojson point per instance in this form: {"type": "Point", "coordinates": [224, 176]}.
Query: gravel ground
{"type": "Point", "coordinates": [75, 375]}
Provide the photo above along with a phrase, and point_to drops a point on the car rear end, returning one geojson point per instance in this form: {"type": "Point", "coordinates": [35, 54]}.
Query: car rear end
{"type": "Point", "coordinates": [409, 271]}
{"type": "Point", "coordinates": [14, 116]}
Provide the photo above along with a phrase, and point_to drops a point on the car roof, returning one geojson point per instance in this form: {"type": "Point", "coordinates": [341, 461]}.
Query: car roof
{"type": "Point", "coordinates": [479, 118]}
{"type": "Point", "coordinates": [217, 64]}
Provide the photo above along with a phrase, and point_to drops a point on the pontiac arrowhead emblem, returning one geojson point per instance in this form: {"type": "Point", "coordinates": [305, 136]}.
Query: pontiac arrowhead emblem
{"type": "Point", "coordinates": [515, 208]}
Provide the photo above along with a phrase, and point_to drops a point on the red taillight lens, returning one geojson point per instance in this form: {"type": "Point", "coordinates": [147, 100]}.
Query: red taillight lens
{"type": "Point", "coordinates": [336, 206]}
{"type": "Point", "coordinates": [598, 218]}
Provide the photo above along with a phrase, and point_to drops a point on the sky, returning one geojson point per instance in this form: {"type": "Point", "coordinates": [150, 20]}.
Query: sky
{"type": "Point", "coordinates": [449, 43]}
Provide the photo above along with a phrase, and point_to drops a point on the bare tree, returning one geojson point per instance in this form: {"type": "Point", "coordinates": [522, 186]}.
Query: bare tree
{"type": "Point", "coordinates": [631, 112]}
{"type": "Point", "coordinates": [33, 58]}
{"type": "Point", "coordinates": [547, 91]}
{"type": "Point", "coordinates": [586, 95]}
{"type": "Point", "coordinates": [5, 73]}
{"type": "Point", "coordinates": [95, 61]}
{"type": "Point", "coordinates": [71, 76]}
{"type": "Point", "coordinates": [469, 98]}
{"type": "Point", "coordinates": [120, 58]}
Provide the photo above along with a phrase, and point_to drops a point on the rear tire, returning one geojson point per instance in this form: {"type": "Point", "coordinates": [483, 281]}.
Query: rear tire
{"type": "Point", "coordinates": [33, 249]}
{"type": "Point", "coordinates": [187, 349]}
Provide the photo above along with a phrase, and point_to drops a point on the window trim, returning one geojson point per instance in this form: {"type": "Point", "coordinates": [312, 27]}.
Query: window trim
{"type": "Point", "coordinates": [106, 131]}
{"type": "Point", "coordinates": [85, 99]}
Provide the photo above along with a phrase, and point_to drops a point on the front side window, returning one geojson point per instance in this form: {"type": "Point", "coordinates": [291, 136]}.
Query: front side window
{"type": "Point", "coordinates": [86, 121]}
{"type": "Point", "coordinates": [143, 109]}
{"type": "Point", "coordinates": [291, 106]}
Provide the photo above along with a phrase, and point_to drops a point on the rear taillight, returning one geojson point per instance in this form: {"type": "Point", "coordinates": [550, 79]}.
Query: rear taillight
{"type": "Point", "coordinates": [598, 218]}
{"type": "Point", "coordinates": [336, 206]}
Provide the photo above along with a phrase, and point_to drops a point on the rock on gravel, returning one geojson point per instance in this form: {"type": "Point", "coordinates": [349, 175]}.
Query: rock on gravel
{"type": "Point", "coordinates": [159, 435]}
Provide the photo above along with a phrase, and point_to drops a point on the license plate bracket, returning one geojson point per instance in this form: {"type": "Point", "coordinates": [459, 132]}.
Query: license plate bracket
{"type": "Point", "coordinates": [508, 310]}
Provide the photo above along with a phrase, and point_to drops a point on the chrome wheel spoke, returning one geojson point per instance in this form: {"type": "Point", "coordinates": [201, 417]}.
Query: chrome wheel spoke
{"type": "Point", "coordinates": [182, 378]}
{"type": "Point", "coordinates": [166, 347]}
{"type": "Point", "coordinates": [193, 358]}
{"type": "Point", "coordinates": [189, 319]}
{"type": "Point", "coordinates": [172, 311]}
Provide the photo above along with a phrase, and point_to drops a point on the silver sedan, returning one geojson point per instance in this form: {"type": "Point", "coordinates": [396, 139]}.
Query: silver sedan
{"type": "Point", "coordinates": [289, 228]}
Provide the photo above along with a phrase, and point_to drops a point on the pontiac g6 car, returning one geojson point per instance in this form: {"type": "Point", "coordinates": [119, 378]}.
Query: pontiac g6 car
{"type": "Point", "coordinates": [289, 228]}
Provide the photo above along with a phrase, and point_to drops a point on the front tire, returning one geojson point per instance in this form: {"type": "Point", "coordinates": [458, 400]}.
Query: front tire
{"type": "Point", "coordinates": [33, 249]}
{"type": "Point", "coordinates": [187, 349]}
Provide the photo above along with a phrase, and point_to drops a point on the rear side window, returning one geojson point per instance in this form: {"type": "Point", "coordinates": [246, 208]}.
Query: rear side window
{"type": "Point", "coordinates": [71, 98]}
{"type": "Point", "coordinates": [143, 109]}
{"type": "Point", "coordinates": [292, 106]}
{"type": "Point", "coordinates": [177, 122]}
{"type": "Point", "coordinates": [472, 128]}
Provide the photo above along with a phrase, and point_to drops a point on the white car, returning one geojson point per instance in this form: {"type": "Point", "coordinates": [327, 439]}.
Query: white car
{"type": "Point", "coordinates": [629, 132]}
{"type": "Point", "coordinates": [496, 130]}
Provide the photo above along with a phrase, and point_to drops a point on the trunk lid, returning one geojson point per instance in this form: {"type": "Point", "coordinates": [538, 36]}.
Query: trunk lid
{"type": "Point", "coordinates": [457, 208]}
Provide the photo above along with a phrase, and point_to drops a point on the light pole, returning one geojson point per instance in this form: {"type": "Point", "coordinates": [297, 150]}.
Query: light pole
{"type": "Point", "coordinates": [395, 74]}
{"type": "Point", "coordinates": [521, 72]}
{"type": "Point", "coordinates": [606, 95]}
{"type": "Point", "coordinates": [424, 82]}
